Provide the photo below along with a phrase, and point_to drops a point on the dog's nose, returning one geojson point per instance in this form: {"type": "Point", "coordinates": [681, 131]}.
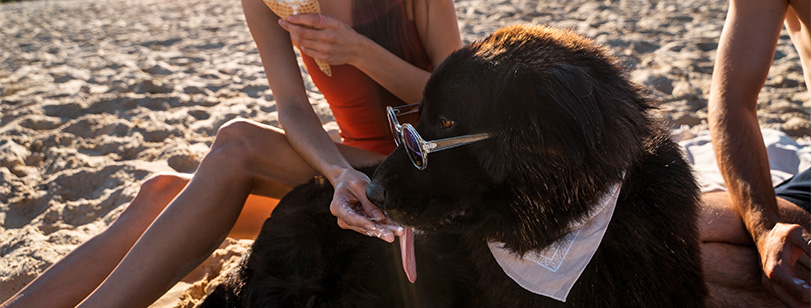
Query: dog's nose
{"type": "Point", "coordinates": [375, 194]}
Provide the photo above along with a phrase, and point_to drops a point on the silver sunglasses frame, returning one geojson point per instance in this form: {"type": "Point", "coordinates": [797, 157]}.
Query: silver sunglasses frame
{"type": "Point", "coordinates": [429, 146]}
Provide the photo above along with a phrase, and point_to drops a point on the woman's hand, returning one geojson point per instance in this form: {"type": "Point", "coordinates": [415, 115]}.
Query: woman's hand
{"type": "Point", "coordinates": [355, 212]}
{"type": "Point", "coordinates": [324, 38]}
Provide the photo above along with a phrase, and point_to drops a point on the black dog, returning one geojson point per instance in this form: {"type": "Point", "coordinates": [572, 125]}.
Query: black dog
{"type": "Point", "coordinates": [565, 127]}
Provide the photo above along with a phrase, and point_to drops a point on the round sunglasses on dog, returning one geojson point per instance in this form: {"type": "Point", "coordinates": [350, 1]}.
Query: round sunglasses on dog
{"type": "Point", "coordinates": [416, 147]}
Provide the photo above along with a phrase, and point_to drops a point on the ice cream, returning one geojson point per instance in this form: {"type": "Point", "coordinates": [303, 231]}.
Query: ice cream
{"type": "Point", "coordinates": [285, 8]}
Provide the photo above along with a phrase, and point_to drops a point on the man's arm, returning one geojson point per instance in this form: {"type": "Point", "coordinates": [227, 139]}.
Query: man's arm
{"type": "Point", "coordinates": [745, 52]}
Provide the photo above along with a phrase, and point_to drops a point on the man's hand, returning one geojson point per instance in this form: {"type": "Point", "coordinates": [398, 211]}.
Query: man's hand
{"type": "Point", "coordinates": [355, 212]}
{"type": "Point", "coordinates": [780, 250]}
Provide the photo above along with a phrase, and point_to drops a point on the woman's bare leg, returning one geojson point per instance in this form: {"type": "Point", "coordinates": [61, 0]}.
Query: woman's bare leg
{"type": "Point", "coordinates": [245, 157]}
{"type": "Point", "coordinates": [90, 263]}
{"type": "Point", "coordinates": [731, 262]}
{"type": "Point", "coordinates": [71, 279]}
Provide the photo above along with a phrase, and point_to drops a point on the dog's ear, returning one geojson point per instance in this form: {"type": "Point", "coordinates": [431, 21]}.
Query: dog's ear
{"type": "Point", "coordinates": [574, 92]}
{"type": "Point", "coordinates": [547, 119]}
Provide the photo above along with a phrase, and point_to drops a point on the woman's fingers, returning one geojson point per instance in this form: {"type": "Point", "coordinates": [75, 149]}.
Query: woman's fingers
{"type": "Point", "coordinates": [372, 211]}
{"type": "Point", "coordinates": [351, 216]}
{"type": "Point", "coordinates": [323, 38]}
{"type": "Point", "coordinates": [314, 27]}
{"type": "Point", "coordinates": [317, 44]}
{"type": "Point", "coordinates": [316, 21]}
{"type": "Point", "coordinates": [348, 212]}
{"type": "Point", "coordinates": [323, 35]}
{"type": "Point", "coordinates": [380, 232]}
{"type": "Point", "coordinates": [315, 49]}
{"type": "Point", "coordinates": [354, 211]}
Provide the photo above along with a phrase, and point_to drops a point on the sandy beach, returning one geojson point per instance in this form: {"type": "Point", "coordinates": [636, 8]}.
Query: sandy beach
{"type": "Point", "coordinates": [96, 95]}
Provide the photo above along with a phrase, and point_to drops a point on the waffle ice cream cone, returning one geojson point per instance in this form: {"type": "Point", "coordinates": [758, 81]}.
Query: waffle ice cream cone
{"type": "Point", "coordinates": [285, 8]}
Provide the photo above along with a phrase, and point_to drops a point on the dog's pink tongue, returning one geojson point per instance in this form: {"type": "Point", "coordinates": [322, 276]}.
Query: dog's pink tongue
{"type": "Point", "coordinates": [407, 254]}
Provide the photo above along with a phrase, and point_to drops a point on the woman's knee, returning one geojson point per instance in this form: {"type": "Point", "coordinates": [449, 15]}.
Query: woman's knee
{"type": "Point", "coordinates": [241, 141]}
{"type": "Point", "coordinates": [158, 190]}
{"type": "Point", "coordinates": [164, 182]}
{"type": "Point", "coordinates": [233, 139]}
{"type": "Point", "coordinates": [257, 151]}
{"type": "Point", "coordinates": [236, 128]}
{"type": "Point", "coordinates": [154, 195]}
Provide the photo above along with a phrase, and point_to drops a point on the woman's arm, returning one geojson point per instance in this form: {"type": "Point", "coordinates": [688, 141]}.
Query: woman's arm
{"type": "Point", "coordinates": [327, 39]}
{"type": "Point", "coordinates": [302, 125]}
{"type": "Point", "coordinates": [334, 42]}
{"type": "Point", "coordinates": [438, 28]}
{"type": "Point", "coordinates": [296, 115]}
{"type": "Point", "coordinates": [439, 32]}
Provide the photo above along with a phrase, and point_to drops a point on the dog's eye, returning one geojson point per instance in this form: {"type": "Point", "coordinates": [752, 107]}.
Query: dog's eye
{"type": "Point", "coordinates": [447, 124]}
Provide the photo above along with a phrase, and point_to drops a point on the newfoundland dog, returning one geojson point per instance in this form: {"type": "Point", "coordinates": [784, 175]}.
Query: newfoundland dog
{"type": "Point", "coordinates": [549, 185]}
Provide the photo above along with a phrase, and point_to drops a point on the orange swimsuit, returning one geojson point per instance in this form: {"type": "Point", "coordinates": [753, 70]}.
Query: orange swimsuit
{"type": "Point", "coordinates": [356, 106]}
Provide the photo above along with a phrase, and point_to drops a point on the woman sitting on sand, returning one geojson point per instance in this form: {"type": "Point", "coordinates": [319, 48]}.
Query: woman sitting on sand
{"type": "Point", "coordinates": [385, 58]}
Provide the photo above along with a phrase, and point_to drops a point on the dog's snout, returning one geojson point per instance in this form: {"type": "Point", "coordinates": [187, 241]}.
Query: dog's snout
{"type": "Point", "coordinates": [375, 194]}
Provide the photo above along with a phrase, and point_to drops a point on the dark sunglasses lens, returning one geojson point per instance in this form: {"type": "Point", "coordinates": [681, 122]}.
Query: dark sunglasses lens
{"type": "Point", "coordinates": [412, 147]}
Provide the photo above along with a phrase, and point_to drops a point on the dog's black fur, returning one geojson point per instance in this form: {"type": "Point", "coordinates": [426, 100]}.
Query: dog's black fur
{"type": "Point", "coordinates": [566, 125]}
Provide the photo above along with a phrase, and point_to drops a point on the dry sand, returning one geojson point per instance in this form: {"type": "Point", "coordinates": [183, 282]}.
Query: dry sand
{"type": "Point", "coordinates": [97, 95]}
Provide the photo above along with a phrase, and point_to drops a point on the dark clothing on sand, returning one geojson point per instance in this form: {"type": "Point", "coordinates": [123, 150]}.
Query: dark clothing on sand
{"type": "Point", "coordinates": [797, 190]}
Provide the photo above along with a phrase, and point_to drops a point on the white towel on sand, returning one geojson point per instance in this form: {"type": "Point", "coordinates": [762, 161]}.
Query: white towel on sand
{"type": "Point", "coordinates": [787, 157]}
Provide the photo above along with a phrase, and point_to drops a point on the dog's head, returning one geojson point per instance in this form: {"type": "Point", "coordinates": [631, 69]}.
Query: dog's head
{"type": "Point", "coordinates": [564, 124]}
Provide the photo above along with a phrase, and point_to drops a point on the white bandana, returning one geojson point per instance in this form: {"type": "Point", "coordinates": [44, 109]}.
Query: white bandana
{"type": "Point", "coordinates": [553, 271]}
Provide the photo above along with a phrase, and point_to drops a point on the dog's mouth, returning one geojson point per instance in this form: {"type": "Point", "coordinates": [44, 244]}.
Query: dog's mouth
{"type": "Point", "coordinates": [453, 218]}
{"type": "Point", "coordinates": [433, 222]}
{"type": "Point", "coordinates": [407, 253]}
